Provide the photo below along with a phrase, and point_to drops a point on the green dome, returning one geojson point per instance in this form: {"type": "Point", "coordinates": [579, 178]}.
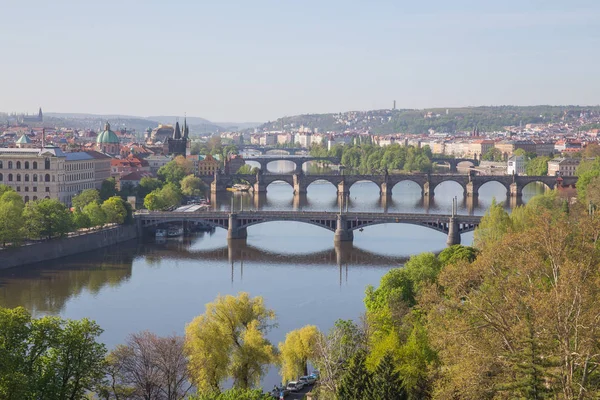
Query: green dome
{"type": "Point", "coordinates": [107, 136]}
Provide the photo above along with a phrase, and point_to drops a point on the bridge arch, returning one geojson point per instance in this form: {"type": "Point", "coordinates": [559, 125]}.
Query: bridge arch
{"type": "Point", "coordinates": [322, 224]}
{"type": "Point", "coordinates": [491, 186]}
{"type": "Point", "coordinates": [278, 152]}
{"type": "Point", "coordinates": [540, 182]}
{"type": "Point", "coordinates": [392, 185]}
{"type": "Point", "coordinates": [449, 181]}
{"type": "Point", "coordinates": [279, 181]}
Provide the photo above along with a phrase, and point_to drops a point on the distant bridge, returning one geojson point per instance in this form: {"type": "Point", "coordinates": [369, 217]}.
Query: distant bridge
{"type": "Point", "coordinates": [266, 149]}
{"type": "Point", "coordinates": [471, 184]}
{"type": "Point", "coordinates": [342, 224]}
{"type": "Point", "coordinates": [297, 160]}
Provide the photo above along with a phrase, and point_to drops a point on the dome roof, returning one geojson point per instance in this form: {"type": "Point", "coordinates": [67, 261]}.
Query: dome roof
{"type": "Point", "coordinates": [24, 139]}
{"type": "Point", "coordinates": [107, 136]}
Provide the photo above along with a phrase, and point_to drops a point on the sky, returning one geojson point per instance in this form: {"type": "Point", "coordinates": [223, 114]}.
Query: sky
{"type": "Point", "coordinates": [241, 61]}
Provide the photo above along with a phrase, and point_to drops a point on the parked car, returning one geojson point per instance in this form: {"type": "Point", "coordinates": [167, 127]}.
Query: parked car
{"type": "Point", "coordinates": [295, 386]}
{"type": "Point", "coordinates": [307, 380]}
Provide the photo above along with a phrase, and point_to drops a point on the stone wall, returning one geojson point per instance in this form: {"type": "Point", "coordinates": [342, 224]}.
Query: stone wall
{"type": "Point", "coordinates": [57, 248]}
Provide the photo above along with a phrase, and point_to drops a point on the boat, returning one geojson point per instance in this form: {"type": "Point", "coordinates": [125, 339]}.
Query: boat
{"type": "Point", "coordinates": [161, 233]}
{"type": "Point", "coordinates": [174, 231]}
{"type": "Point", "coordinates": [238, 187]}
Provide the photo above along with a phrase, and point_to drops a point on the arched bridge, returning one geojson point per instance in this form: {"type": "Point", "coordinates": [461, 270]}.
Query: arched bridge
{"type": "Point", "coordinates": [453, 162]}
{"type": "Point", "coordinates": [297, 160]}
{"type": "Point", "coordinates": [342, 225]}
{"type": "Point", "coordinates": [266, 149]}
{"type": "Point", "coordinates": [471, 184]}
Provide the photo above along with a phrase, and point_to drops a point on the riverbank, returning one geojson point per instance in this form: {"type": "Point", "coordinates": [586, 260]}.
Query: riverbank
{"type": "Point", "coordinates": [58, 248]}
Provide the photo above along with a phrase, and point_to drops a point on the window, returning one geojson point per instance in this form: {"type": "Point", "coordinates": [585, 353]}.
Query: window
{"type": "Point", "coordinates": [10, 165]}
{"type": "Point", "coordinates": [47, 178]}
{"type": "Point", "coordinates": [26, 197]}
{"type": "Point", "coordinates": [18, 188]}
{"type": "Point", "coordinates": [34, 198]}
{"type": "Point", "coordinates": [1, 177]}
{"type": "Point", "coordinates": [26, 177]}
{"type": "Point", "coordinates": [10, 177]}
{"type": "Point", "coordinates": [18, 164]}
{"type": "Point", "coordinates": [47, 189]}
{"type": "Point", "coordinates": [47, 163]}
{"type": "Point", "coordinates": [26, 164]}
{"type": "Point", "coordinates": [1, 166]}
{"type": "Point", "coordinates": [35, 188]}
{"type": "Point", "coordinates": [35, 165]}
{"type": "Point", "coordinates": [35, 178]}
{"type": "Point", "coordinates": [27, 188]}
{"type": "Point", "coordinates": [18, 177]}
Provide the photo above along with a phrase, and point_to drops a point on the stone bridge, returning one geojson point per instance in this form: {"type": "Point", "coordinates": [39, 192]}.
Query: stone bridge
{"type": "Point", "coordinates": [343, 225]}
{"type": "Point", "coordinates": [297, 160]}
{"type": "Point", "coordinates": [266, 149]}
{"type": "Point", "coordinates": [453, 162]}
{"type": "Point", "coordinates": [471, 184]}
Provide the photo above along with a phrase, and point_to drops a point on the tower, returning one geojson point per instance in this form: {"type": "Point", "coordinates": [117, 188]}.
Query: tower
{"type": "Point", "coordinates": [178, 144]}
{"type": "Point", "coordinates": [40, 115]}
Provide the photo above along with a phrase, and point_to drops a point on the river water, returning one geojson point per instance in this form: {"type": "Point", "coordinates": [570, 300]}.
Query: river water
{"type": "Point", "coordinates": [295, 267]}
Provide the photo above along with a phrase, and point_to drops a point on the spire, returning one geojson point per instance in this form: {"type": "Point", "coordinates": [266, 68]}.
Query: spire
{"type": "Point", "coordinates": [186, 129]}
{"type": "Point", "coordinates": [40, 115]}
{"type": "Point", "coordinates": [177, 133]}
{"type": "Point", "coordinates": [107, 126]}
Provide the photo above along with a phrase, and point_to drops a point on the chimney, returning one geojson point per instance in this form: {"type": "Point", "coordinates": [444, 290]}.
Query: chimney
{"type": "Point", "coordinates": [43, 137]}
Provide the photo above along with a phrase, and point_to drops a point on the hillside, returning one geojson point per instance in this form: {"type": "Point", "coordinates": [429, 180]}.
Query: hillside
{"type": "Point", "coordinates": [448, 120]}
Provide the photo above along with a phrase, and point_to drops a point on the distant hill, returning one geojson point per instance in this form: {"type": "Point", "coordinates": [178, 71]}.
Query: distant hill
{"type": "Point", "coordinates": [447, 120]}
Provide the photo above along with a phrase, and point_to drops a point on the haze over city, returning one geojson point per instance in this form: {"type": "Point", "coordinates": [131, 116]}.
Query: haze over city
{"type": "Point", "coordinates": [257, 61]}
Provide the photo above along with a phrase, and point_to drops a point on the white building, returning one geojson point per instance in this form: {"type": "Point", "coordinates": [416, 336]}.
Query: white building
{"type": "Point", "coordinates": [515, 165]}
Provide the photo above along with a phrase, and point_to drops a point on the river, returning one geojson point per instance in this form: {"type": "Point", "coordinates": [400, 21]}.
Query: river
{"type": "Point", "coordinates": [295, 267]}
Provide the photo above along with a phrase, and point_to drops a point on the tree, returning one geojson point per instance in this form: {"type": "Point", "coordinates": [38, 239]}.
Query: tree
{"type": "Point", "coordinates": [297, 350]}
{"type": "Point", "coordinates": [453, 254]}
{"type": "Point", "coordinates": [228, 341]}
{"type": "Point", "coordinates": [149, 367]}
{"type": "Point", "coordinates": [147, 185]}
{"type": "Point", "coordinates": [47, 218]}
{"type": "Point", "coordinates": [81, 220]}
{"type": "Point", "coordinates": [537, 166]}
{"type": "Point", "coordinates": [494, 224]}
{"type": "Point", "coordinates": [234, 394]}
{"type": "Point", "coordinates": [386, 381]}
{"type": "Point", "coordinates": [11, 217]}
{"type": "Point", "coordinates": [115, 210]}
{"type": "Point", "coordinates": [174, 171]}
{"type": "Point", "coordinates": [95, 214]}
{"type": "Point", "coordinates": [493, 154]}
{"type": "Point", "coordinates": [246, 169]}
{"type": "Point", "coordinates": [357, 381]}
{"type": "Point", "coordinates": [191, 186]}
{"type": "Point", "coordinates": [587, 171]}
{"type": "Point", "coordinates": [334, 351]}
{"type": "Point", "coordinates": [108, 189]}
{"type": "Point", "coordinates": [48, 358]}
{"type": "Point", "coordinates": [84, 198]}
{"type": "Point", "coordinates": [153, 201]}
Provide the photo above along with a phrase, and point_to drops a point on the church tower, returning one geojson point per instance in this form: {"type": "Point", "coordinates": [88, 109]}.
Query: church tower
{"type": "Point", "coordinates": [178, 144]}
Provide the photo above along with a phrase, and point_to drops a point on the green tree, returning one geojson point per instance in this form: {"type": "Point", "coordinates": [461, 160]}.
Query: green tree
{"type": "Point", "coordinates": [537, 166]}
{"type": "Point", "coordinates": [386, 382]}
{"type": "Point", "coordinates": [11, 217]}
{"type": "Point", "coordinates": [357, 381]}
{"type": "Point", "coordinates": [494, 224]}
{"type": "Point", "coordinates": [453, 254]}
{"type": "Point", "coordinates": [48, 358]}
{"type": "Point", "coordinates": [587, 171]}
{"type": "Point", "coordinates": [174, 171]}
{"type": "Point", "coordinates": [147, 185]}
{"type": "Point", "coordinates": [114, 209]}
{"type": "Point", "coordinates": [108, 189]}
{"type": "Point", "coordinates": [297, 350]}
{"type": "Point", "coordinates": [234, 394]}
{"type": "Point", "coordinates": [81, 220]}
{"type": "Point", "coordinates": [96, 215]}
{"type": "Point", "coordinates": [84, 198]}
{"type": "Point", "coordinates": [154, 201]}
{"type": "Point", "coordinates": [192, 186]}
{"type": "Point", "coordinates": [47, 218]}
{"type": "Point", "coordinates": [228, 340]}
{"type": "Point", "coordinates": [493, 154]}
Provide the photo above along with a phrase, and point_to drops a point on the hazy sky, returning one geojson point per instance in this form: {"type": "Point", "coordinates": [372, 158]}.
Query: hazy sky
{"type": "Point", "coordinates": [255, 60]}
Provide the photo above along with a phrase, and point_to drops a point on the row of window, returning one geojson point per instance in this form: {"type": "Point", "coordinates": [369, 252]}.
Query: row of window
{"type": "Point", "coordinates": [26, 198]}
{"type": "Point", "coordinates": [46, 178]}
{"type": "Point", "coordinates": [18, 164]}
{"type": "Point", "coordinates": [79, 166]}
{"type": "Point", "coordinates": [34, 189]}
{"type": "Point", "coordinates": [78, 177]}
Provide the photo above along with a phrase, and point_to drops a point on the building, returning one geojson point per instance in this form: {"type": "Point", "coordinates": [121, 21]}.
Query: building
{"type": "Point", "coordinates": [108, 142]}
{"type": "Point", "coordinates": [207, 165]}
{"type": "Point", "coordinates": [133, 178]}
{"type": "Point", "coordinates": [563, 166]}
{"type": "Point", "coordinates": [304, 139]}
{"type": "Point", "coordinates": [50, 173]}
{"type": "Point", "coordinates": [268, 139]}
{"type": "Point", "coordinates": [515, 165]}
{"type": "Point", "coordinates": [178, 144]}
{"type": "Point", "coordinates": [157, 161]}
{"type": "Point", "coordinates": [24, 119]}
{"type": "Point", "coordinates": [233, 163]}
{"type": "Point", "coordinates": [160, 133]}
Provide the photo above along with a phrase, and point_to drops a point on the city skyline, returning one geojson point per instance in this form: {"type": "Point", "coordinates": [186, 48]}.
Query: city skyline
{"type": "Point", "coordinates": [232, 61]}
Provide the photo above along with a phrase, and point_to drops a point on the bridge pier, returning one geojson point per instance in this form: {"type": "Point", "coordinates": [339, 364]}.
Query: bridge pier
{"type": "Point", "coordinates": [428, 191]}
{"type": "Point", "coordinates": [472, 202]}
{"type": "Point", "coordinates": [234, 232]}
{"type": "Point", "coordinates": [453, 232]}
{"type": "Point", "coordinates": [342, 233]}
{"type": "Point", "coordinates": [515, 190]}
{"type": "Point", "coordinates": [299, 186]}
{"type": "Point", "coordinates": [385, 201]}
{"type": "Point", "coordinates": [259, 187]}
{"type": "Point", "coordinates": [298, 169]}
{"type": "Point", "coordinates": [472, 190]}
{"type": "Point", "coordinates": [343, 189]}
{"type": "Point", "coordinates": [299, 201]}
{"type": "Point", "coordinates": [385, 189]}
{"type": "Point", "coordinates": [453, 166]}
